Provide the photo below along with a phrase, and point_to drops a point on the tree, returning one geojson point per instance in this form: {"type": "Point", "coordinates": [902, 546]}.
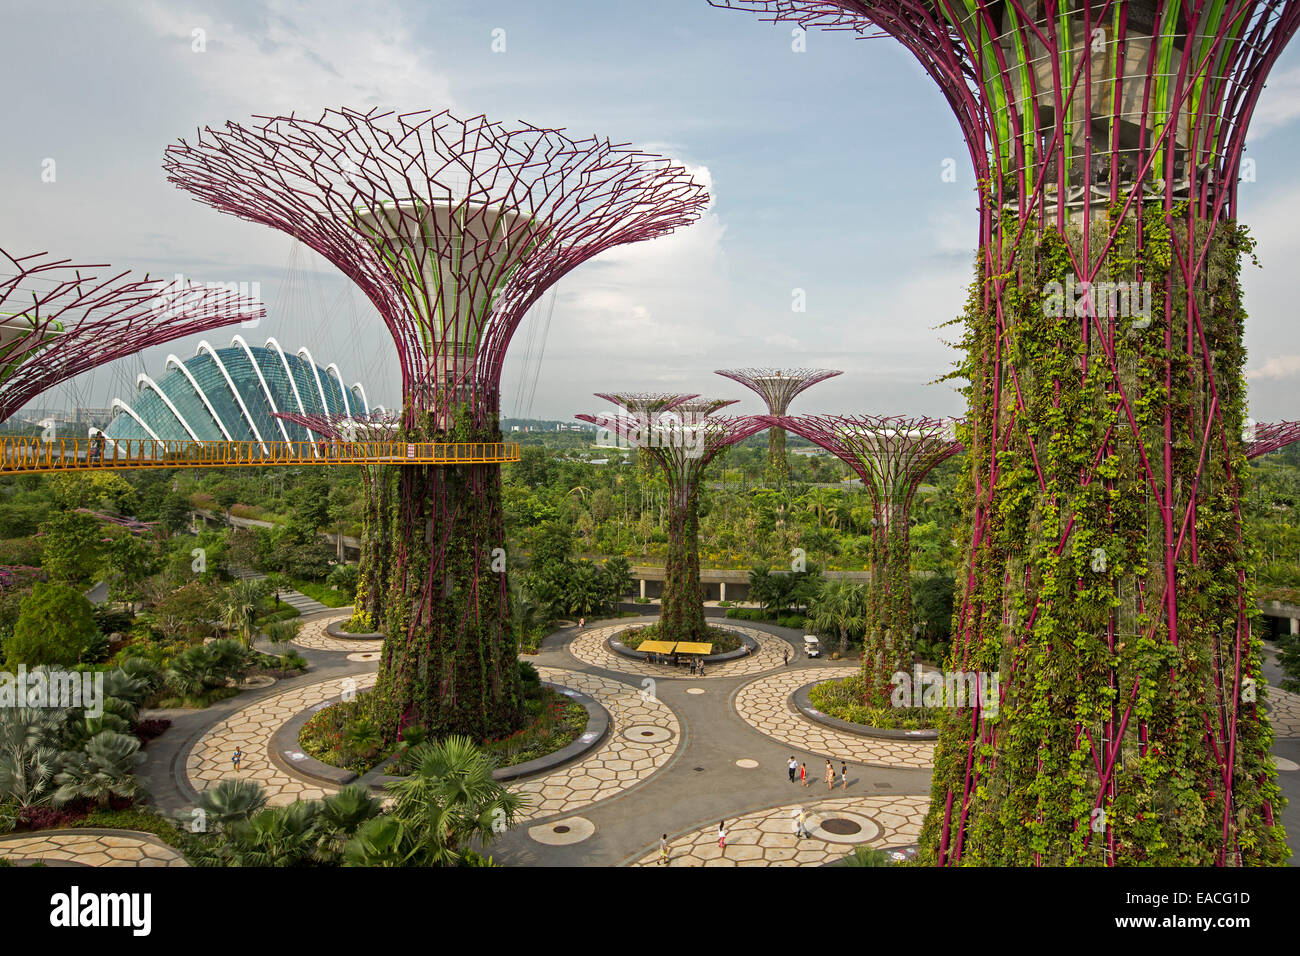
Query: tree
{"type": "Point", "coordinates": [103, 770]}
{"type": "Point", "coordinates": [55, 626]}
{"type": "Point", "coordinates": [28, 757]}
{"type": "Point", "coordinates": [448, 800]}
{"type": "Point", "coordinates": [174, 513]}
{"type": "Point", "coordinates": [230, 802]}
{"type": "Point", "coordinates": [840, 608]}
{"type": "Point", "coordinates": [238, 608]}
{"type": "Point", "coordinates": [127, 562]}
{"type": "Point", "coordinates": [72, 547]}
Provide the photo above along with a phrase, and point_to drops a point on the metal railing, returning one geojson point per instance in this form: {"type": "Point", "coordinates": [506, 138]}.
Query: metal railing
{"type": "Point", "coordinates": [31, 455]}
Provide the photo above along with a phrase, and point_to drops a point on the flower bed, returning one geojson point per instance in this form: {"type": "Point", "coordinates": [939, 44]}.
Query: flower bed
{"type": "Point", "coordinates": [344, 734]}
{"type": "Point", "coordinates": [847, 699]}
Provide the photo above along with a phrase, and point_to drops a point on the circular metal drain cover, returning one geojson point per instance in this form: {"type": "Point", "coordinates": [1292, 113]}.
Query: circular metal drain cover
{"type": "Point", "coordinates": [647, 734]}
{"type": "Point", "coordinates": [841, 826]}
{"type": "Point", "coordinates": [561, 829]}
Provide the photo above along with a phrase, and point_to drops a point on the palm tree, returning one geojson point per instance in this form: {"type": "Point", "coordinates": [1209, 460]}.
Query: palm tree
{"type": "Point", "coordinates": [381, 841]}
{"type": "Point", "coordinates": [279, 836]}
{"type": "Point", "coordinates": [281, 633]}
{"type": "Point", "coordinates": [451, 799]}
{"type": "Point", "coordinates": [840, 607]}
{"type": "Point", "coordinates": [342, 814]}
{"type": "Point", "coordinates": [104, 769]}
{"type": "Point", "coordinates": [28, 758]}
{"type": "Point", "coordinates": [231, 802]}
{"type": "Point", "coordinates": [238, 608]}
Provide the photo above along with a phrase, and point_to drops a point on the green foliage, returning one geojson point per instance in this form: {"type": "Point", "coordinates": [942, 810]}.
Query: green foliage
{"type": "Point", "coordinates": [72, 547]}
{"type": "Point", "coordinates": [56, 626]}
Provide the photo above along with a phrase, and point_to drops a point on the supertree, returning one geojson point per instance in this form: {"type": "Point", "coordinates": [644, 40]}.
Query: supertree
{"type": "Point", "coordinates": [377, 489]}
{"type": "Point", "coordinates": [1268, 437]}
{"type": "Point", "coordinates": [778, 387]}
{"type": "Point", "coordinates": [453, 229]}
{"type": "Point", "coordinates": [892, 455]}
{"type": "Point", "coordinates": [681, 434]}
{"type": "Point", "coordinates": [1107, 568]}
{"type": "Point", "coordinates": [58, 319]}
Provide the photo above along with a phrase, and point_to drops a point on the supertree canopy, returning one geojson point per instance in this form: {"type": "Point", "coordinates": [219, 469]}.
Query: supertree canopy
{"type": "Point", "coordinates": [778, 387]}
{"type": "Point", "coordinates": [892, 455]}
{"type": "Point", "coordinates": [1107, 581]}
{"type": "Point", "coordinates": [58, 320]}
{"type": "Point", "coordinates": [681, 434]}
{"type": "Point", "coordinates": [1268, 437]}
{"type": "Point", "coordinates": [453, 229]}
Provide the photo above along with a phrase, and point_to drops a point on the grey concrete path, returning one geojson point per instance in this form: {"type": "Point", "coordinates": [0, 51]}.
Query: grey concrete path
{"type": "Point", "coordinates": [295, 599]}
{"type": "Point", "coordinates": [702, 783]}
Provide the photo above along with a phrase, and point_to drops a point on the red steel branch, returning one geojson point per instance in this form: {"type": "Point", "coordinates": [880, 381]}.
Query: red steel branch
{"type": "Point", "coordinates": [58, 319]}
{"type": "Point", "coordinates": [1269, 437]}
{"type": "Point", "coordinates": [452, 227]}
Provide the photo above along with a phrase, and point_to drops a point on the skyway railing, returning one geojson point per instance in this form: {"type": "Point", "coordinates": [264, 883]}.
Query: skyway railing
{"type": "Point", "coordinates": [34, 455]}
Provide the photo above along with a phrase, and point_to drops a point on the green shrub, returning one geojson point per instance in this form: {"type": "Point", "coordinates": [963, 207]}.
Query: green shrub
{"type": "Point", "coordinates": [56, 626]}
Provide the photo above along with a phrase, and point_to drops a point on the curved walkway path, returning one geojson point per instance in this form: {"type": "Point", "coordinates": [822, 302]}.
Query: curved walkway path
{"type": "Point", "coordinates": [90, 848]}
{"type": "Point", "coordinates": [1283, 712]}
{"type": "Point", "coordinates": [313, 636]}
{"type": "Point", "coordinates": [589, 647]}
{"type": "Point", "coordinates": [767, 838]}
{"type": "Point", "coordinates": [763, 705]}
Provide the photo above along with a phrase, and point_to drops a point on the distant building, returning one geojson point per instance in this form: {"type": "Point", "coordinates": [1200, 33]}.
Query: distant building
{"type": "Point", "coordinates": [233, 394]}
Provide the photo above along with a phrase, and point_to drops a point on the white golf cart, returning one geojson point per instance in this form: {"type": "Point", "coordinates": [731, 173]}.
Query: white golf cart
{"type": "Point", "coordinates": [812, 647]}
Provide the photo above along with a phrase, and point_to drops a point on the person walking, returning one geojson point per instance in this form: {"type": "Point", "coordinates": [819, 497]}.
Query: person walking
{"type": "Point", "coordinates": [787, 656]}
{"type": "Point", "coordinates": [237, 756]}
{"type": "Point", "coordinates": [830, 776]}
{"type": "Point", "coordinates": [803, 823]}
{"type": "Point", "coordinates": [844, 776]}
{"type": "Point", "coordinates": [582, 622]}
{"type": "Point", "coordinates": [722, 835]}
{"type": "Point", "coordinates": [663, 850]}
{"type": "Point", "coordinates": [795, 824]}
{"type": "Point", "coordinates": [803, 773]}
{"type": "Point", "coordinates": [793, 767]}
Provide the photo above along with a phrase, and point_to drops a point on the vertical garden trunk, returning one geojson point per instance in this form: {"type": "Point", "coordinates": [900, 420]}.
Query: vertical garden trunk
{"type": "Point", "coordinates": [776, 460]}
{"type": "Point", "coordinates": [681, 617]}
{"type": "Point", "coordinates": [376, 550]}
{"type": "Point", "coordinates": [888, 645]}
{"type": "Point", "coordinates": [1108, 579]}
{"type": "Point", "coordinates": [450, 656]}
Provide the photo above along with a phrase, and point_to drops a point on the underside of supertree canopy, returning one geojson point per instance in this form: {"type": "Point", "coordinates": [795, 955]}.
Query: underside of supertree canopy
{"type": "Point", "coordinates": [1267, 437]}
{"type": "Point", "coordinates": [681, 434]}
{"type": "Point", "coordinates": [59, 319]}
{"type": "Point", "coordinates": [1107, 578]}
{"type": "Point", "coordinates": [453, 229]}
{"type": "Point", "coordinates": [778, 387]}
{"type": "Point", "coordinates": [892, 454]}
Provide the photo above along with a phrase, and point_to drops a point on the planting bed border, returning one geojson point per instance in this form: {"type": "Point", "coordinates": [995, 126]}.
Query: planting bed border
{"type": "Point", "coordinates": [284, 743]}
{"type": "Point", "coordinates": [333, 630]}
{"type": "Point", "coordinates": [800, 702]}
{"type": "Point", "coordinates": [618, 647]}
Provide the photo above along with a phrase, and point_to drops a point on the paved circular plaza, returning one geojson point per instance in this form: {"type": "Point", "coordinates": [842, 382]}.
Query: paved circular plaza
{"type": "Point", "coordinates": [590, 647]}
{"type": "Point", "coordinates": [764, 705]}
{"type": "Point", "coordinates": [89, 848]}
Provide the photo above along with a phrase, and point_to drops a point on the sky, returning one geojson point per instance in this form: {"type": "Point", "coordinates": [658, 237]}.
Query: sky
{"type": "Point", "coordinates": [825, 168]}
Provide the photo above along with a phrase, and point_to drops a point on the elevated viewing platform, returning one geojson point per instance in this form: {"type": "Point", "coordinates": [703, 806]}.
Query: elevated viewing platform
{"type": "Point", "coordinates": [35, 455]}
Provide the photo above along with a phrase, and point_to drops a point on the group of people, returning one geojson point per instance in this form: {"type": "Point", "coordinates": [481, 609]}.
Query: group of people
{"type": "Point", "coordinates": [800, 770]}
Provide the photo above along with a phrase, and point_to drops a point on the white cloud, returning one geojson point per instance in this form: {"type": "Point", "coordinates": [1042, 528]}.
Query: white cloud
{"type": "Point", "coordinates": [1278, 105]}
{"type": "Point", "coordinates": [306, 57]}
{"type": "Point", "coordinates": [1279, 366]}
